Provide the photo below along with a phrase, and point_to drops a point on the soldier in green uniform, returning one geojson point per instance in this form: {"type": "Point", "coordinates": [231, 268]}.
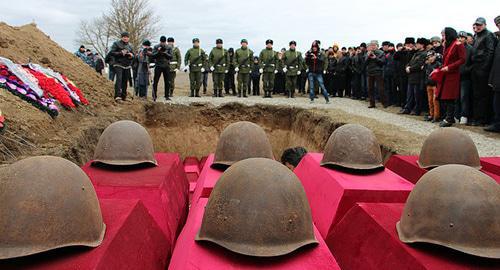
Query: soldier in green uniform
{"type": "Point", "coordinates": [194, 61]}
{"type": "Point", "coordinates": [175, 64]}
{"type": "Point", "coordinates": [219, 63]}
{"type": "Point", "coordinates": [268, 63]}
{"type": "Point", "coordinates": [293, 63]}
{"type": "Point", "coordinates": [243, 59]}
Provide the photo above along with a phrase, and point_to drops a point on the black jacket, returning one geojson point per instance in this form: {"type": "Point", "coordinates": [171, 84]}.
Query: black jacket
{"type": "Point", "coordinates": [343, 64]}
{"type": "Point", "coordinates": [118, 57]}
{"type": "Point", "coordinates": [494, 80]}
{"type": "Point", "coordinates": [465, 68]}
{"type": "Point", "coordinates": [375, 66]}
{"type": "Point", "coordinates": [332, 65]}
{"type": "Point", "coordinates": [357, 63]}
{"type": "Point", "coordinates": [315, 65]}
{"type": "Point", "coordinates": [416, 65]}
{"type": "Point", "coordinates": [390, 65]}
{"type": "Point", "coordinates": [162, 54]}
{"type": "Point", "coordinates": [428, 70]}
{"type": "Point", "coordinates": [403, 58]}
{"type": "Point", "coordinates": [482, 56]}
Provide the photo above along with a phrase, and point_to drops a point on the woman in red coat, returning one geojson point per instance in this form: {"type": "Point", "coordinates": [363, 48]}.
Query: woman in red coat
{"type": "Point", "coordinates": [448, 90]}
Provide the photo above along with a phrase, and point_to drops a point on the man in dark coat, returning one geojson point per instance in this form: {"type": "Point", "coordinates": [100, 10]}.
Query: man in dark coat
{"type": "Point", "coordinates": [463, 106]}
{"type": "Point", "coordinates": [494, 82]}
{"type": "Point", "coordinates": [162, 54]}
{"type": "Point", "coordinates": [123, 57]}
{"type": "Point", "coordinates": [229, 83]}
{"type": "Point", "coordinates": [482, 59]}
{"type": "Point", "coordinates": [416, 73]}
{"type": "Point", "coordinates": [375, 60]}
{"type": "Point", "coordinates": [402, 57]}
{"type": "Point", "coordinates": [389, 71]}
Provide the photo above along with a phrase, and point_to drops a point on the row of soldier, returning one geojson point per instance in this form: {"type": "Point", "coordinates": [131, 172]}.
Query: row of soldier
{"type": "Point", "coordinates": [167, 61]}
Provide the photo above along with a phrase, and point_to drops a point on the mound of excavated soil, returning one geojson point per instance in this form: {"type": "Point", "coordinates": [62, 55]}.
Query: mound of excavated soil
{"type": "Point", "coordinates": [31, 131]}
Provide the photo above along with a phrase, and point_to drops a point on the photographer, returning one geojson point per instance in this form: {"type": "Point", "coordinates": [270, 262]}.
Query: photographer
{"type": "Point", "coordinates": [316, 62]}
{"type": "Point", "coordinates": [123, 56]}
{"type": "Point", "coordinates": [142, 59]}
{"type": "Point", "coordinates": [375, 60]}
{"type": "Point", "coordinates": [162, 54]}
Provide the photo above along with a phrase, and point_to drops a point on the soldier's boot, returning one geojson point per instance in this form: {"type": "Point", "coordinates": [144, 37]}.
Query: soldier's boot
{"type": "Point", "coordinates": [239, 92]}
{"type": "Point", "coordinates": [245, 93]}
{"type": "Point", "coordinates": [220, 93]}
{"type": "Point", "coordinates": [192, 93]}
{"type": "Point", "coordinates": [292, 93]}
{"type": "Point", "coordinates": [197, 93]}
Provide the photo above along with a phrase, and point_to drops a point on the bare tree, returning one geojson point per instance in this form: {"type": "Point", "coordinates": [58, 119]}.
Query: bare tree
{"type": "Point", "coordinates": [134, 16]}
{"type": "Point", "coordinates": [95, 33]}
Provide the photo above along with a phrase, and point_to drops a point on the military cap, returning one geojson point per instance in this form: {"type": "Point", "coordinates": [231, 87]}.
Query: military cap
{"type": "Point", "coordinates": [269, 41]}
{"type": "Point", "coordinates": [125, 34]}
{"type": "Point", "coordinates": [462, 34]}
{"type": "Point", "coordinates": [293, 42]}
{"type": "Point", "coordinates": [196, 40]}
{"type": "Point", "coordinates": [163, 39]}
{"type": "Point", "coordinates": [219, 41]}
{"type": "Point", "coordinates": [170, 39]}
{"type": "Point", "coordinates": [146, 42]}
{"type": "Point", "coordinates": [244, 41]}
{"type": "Point", "coordinates": [497, 20]}
{"type": "Point", "coordinates": [480, 21]}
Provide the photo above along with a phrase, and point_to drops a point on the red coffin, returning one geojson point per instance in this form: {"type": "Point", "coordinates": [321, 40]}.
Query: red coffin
{"type": "Point", "coordinates": [407, 167]}
{"type": "Point", "coordinates": [163, 190]}
{"type": "Point", "coordinates": [192, 170]}
{"type": "Point", "coordinates": [332, 193]}
{"type": "Point", "coordinates": [132, 240]}
{"type": "Point", "coordinates": [367, 239]}
{"type": "Point", "coordinates": [491, 164]}
{"type": "Point", "coordinates": [191, 255]}
{"type": "Point", "coordinates": [207, 180]}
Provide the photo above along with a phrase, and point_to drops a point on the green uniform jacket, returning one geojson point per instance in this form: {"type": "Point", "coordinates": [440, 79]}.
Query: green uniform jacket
{"type": "Point", "coordinates": [268, 60]}
{"type": "Point", "coordinates": [176, 61]}
{"type": "Point", "coordinates": [293, 62]}
{"type": "Point", "coordinates": [196, 58]}
{"type": "Point", "coordinates": [243, 59]}
{"type": "Point", "coordinates": [219, 59]}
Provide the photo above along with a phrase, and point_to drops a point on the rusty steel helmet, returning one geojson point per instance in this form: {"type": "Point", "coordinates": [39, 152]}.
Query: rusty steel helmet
{"type": "Point", "coordinates": [124, 143]}
{"type": "Point", "coordinates": [354, 147]}
{"type": "Point", "coordinates": [47, 203]}
{"type": "Point", "coordinates": [258, 208]}
{"type": "Point", "coordinates": [239, 141]}
{"type": "Point", "coordinates": [448, 146]}
{"type": "Point", "coordinates": [455, 206]}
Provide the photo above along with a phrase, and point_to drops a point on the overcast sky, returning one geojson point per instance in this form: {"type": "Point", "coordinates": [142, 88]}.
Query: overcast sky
{"type": "Point", "coordinates": [344, 22]}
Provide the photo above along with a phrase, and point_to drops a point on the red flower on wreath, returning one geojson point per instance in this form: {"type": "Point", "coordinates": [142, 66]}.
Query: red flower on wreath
{"type": "Point", "coordinates": [75, 89]}
{"type": "Point", "coordinates": [51, 87]}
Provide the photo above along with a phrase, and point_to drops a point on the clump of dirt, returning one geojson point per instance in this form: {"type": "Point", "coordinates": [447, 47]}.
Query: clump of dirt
{"type": "Point", "coordinates": [32, 132]}
{"type": "Point", "coordinates": [194, 130]}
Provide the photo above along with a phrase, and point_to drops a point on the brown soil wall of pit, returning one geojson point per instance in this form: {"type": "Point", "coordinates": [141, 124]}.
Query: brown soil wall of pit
{"type": "Point", "coordinates": [194, 130]}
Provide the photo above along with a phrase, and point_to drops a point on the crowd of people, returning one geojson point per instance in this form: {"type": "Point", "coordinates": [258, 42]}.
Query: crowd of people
{"type": "Point", "coordinates": [93, 59]}
{"type": "Point", "coordinates": [454, 77]}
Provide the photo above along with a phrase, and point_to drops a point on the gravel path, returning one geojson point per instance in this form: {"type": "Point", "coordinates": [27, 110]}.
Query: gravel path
{"type": "Point", "coordinates": [487, 145]}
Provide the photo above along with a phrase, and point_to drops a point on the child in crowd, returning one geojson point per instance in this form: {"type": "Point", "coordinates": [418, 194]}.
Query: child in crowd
{"type": "Point", "coordinates": [432, 62]}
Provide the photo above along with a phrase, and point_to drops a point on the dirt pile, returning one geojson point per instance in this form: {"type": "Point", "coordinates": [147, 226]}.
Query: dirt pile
{"type": "Point", "coordinates": [31, 131]}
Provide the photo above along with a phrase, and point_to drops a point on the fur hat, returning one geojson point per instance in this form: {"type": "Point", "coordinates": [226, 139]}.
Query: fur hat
{"type": "Point", "coordinates": [409, 40]}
